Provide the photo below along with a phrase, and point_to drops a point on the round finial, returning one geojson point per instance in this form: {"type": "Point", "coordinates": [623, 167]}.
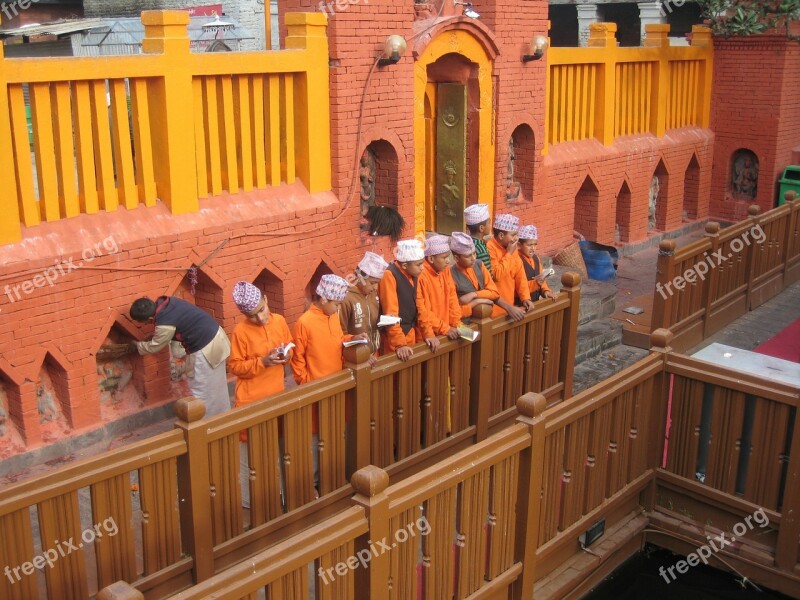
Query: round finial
{"type": "Point", "coordinates": [531, 404]}
{"type": "Point", "coordinates": [570, 279]}
{"type": "Point", "coordinates": [357, 354]}
{"type": "Point", "coordinates": [753, 210]}
{"type": "Point", "coordinates": [666, 246]}
{"type": "Point", "coordinates": [790, 195]}
{"type": "Point", "coordinates": [660, 338]}
{"type": "Point", "coordinates": [712, 227]}
{"type": "Point", "coordinates": [370, 480]}
{"type": "Point", "coordinates": [190, 409]}
{"type": "Point", "coordinates": [482, 311]}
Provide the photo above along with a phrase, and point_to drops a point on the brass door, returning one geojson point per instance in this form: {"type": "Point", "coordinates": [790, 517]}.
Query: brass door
{"type": "Point", "coordinates": [451, 156]}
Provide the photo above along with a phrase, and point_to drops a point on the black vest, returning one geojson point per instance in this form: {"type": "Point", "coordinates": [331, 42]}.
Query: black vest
{"type": "Point", "coordinates": [532, 271]}
{"type": "Point", "coordinates": [406, 298]}
{"type": "Point", "coordinates": [463, 284]}
{"type": "Point", "coordinates": [194, 328]}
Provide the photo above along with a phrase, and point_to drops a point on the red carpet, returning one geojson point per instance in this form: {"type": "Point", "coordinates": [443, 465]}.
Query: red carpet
{"type": "Point", "coordinates": [785, 345]}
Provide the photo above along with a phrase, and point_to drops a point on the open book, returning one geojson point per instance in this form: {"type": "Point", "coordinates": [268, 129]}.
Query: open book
{"type": "Point", "coordinates": [283, 350]}
{"type": "Point", "coordinates": [387, 320]}
{"type": "Point", "coordinates": [354, 343]}
{"type": "Point", "coordinates": [465, 333]}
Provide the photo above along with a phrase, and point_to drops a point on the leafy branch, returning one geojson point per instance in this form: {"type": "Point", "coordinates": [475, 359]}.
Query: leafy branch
{"type": "Point", "coordinates": [750, 17]}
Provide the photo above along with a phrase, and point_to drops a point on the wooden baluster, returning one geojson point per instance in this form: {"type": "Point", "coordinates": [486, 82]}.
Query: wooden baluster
{"type": "Point", "coordinates": [359, 401]}
{"type": "Point", "coordinates": [571, 285]}
{"type": "Point", "coordinates": [370, 485]}
{"type": "Point", "coordinates": [481, 375]}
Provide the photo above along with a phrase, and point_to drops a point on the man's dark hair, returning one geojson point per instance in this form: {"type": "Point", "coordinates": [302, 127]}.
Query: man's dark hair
{"type": "Point", "coordinates": [477, 227]}
{"type": "Point", "coordinates": [142, 309]}
{"type": "Point", "coordinates": [496, 232]}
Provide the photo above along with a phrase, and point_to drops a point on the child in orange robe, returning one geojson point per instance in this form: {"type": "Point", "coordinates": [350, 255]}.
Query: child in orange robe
{"type": "Point", "coordinates": [509, 274]}
{"type": "Point", "coordinates": [437, 301]}
{"type": "Point", "coordinates": [473, 282]}
{"type": "Point", "coordinates": [537, 279]}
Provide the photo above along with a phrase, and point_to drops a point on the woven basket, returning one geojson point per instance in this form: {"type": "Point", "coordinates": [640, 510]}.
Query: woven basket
{"type": "Point", "coordinates": [571, 257]}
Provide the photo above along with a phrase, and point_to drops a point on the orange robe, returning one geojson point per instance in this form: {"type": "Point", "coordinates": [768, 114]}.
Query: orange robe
{"type": "Point", "coordinates": [437, 302]}
{"type": "Point", "coordinates": [250, 342]}
{"type": "Point", "coordinates": [318, 339]}
{"type": "Point", "coordinates": [393, 336]}
{"type": "Point", "coordinates": [533, 285]}
{"type": "Point", "coordinates": [509, 275]}
{"type": "Point", "coordinates": [489, 292]}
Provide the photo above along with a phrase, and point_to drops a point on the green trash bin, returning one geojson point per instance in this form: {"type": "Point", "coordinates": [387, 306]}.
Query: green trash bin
{"type": "Point", "coordinates": [789, 182]}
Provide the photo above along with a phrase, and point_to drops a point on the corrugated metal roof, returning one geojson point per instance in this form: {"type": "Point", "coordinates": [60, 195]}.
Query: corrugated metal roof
{"type": "Point", "coordinates": [57, 28]}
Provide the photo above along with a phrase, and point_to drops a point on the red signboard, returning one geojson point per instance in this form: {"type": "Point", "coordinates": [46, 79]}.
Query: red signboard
{"type": "Point", "coordinates": [208, 10]}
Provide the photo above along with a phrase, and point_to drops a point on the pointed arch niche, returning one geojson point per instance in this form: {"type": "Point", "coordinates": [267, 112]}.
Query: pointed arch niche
{"type": "Point", "coordinates": [520, 164]}
{"type": "Point", "coordinates": [587, 207]}
{"type": "Point", "coordinates": [460, 51]}
{"type": "Point", "coordinates": [624, 214]}
{"type": "Point", "coordinates": [691, 190]}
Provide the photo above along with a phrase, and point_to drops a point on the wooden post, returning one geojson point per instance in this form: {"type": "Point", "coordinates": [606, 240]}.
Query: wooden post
{"type": "Point", "coordinates": [166, 33]}
{"type": "Point", "coordinates": [786, 554]}
{"type": "Point", "coordinates": [193, 487]}
{"type": "Point", "coordinates": [481, 372]}
{"type": "Point", "coordinates": [571, 284]}
{"type": "Point", "coordinates": [531, 408]}
{"type": "Point", "coordinates": [656, 428]}
{"type": "Point", "coordinates": [790, 267]}
{"type": "Point", "coordinates": [359, 401]}
{"type": "Point", "coordinates": [712, 279]}
{"type": "Point", "coordinates": [120, 590]}
{"type": "Point", "coordinates": [753, 211]}
{"type": "Point", "coordinates": [10, 229]}
{"type": "Point", "coordinates": [370, 485]}
{"type": "Point", "coordinates": [312, 114]}
{"type": "Point", "coordinates": [662, 299]}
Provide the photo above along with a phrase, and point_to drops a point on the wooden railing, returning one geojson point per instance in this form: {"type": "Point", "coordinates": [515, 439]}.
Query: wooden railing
{"type": "Point", "coordinates": [604, 92]}
{"type": "Point", "coordinates": [117, 131]}
{"type": "Point", "coordinates": [185, 490]}
{"type": "Point", "coordinates": [670, 449]}
{"type": "Point", "coordinates": [707, 284]}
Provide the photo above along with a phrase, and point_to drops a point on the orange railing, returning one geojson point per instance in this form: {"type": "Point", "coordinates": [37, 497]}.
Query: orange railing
{"type": "Point", "coordinates": [604, 92]}
{"type": "Point", "coordinates": [169, 124]}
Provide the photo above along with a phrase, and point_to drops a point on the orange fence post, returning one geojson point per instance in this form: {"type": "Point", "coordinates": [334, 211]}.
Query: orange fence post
{"type": "Point", "coordinates": [571, 285]}
{"type": "Point", "coordinates": [166, 33]}
{"type": "Point", "coordinates": [195, 497]}
{"type": "Point", "coordinates": [312, 117]}
{"type": "Point", "coordinates": [10, 229]}
{"type": "Point", "coordinates": [603, 35]}
{"type": "Point", "coordinates": [701, 38]}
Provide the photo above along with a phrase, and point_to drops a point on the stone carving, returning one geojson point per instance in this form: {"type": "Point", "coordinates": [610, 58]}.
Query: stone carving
{"type": "Point", "coordinates": [655, 188]}
{"type": "Point", "coordinates": [366, 174]}
{"type": "Point", "coordinates": [513, 187]}
{"type": "Point", "coordinates": [744, 178]}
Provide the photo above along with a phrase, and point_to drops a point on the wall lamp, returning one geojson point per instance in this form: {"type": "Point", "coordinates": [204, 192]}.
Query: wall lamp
{"type": "Point", "coordinates": [539, 44]}
{"type": "Point", "coordinates": [469, 11]}
{"type": "Point", "coordinates": [393, 50]}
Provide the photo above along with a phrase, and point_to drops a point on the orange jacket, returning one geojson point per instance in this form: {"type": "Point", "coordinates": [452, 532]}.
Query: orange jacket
{"type": "Point", "coordinates": [437, 302]}
{"type": "Point", "coordinates": [250, 342]}
{"type": "Point", "coordinates": [393, 336]}
{"type": "Point", "coordinates": [509, 274]}
{"type": "Point", "coordinates": [489, 291]}
{"type": "Point", "coordinates": [533, 285]}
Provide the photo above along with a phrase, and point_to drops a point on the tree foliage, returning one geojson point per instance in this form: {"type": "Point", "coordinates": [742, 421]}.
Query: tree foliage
{"type": "Point", "coordinates": [750, 17]}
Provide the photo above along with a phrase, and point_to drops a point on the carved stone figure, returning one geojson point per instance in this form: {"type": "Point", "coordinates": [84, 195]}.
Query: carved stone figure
{"type": "Point", "coordinates": [745, 176]}
{"type": "Point", "coordinates": [655, 188]}
{"type": "Point", "coordinates": [451, 193]}
{"type": "Point", "coordinates": [513, 187]}
{"type": "Point", "coordinates": [366, 174]}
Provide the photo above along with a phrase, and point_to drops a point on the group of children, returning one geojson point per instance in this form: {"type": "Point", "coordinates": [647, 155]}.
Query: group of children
{"type": "Point", "coordinates": [430, 297]}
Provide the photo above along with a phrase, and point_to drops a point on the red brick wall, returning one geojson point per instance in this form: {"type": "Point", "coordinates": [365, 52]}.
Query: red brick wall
{"type": "Point", "coordinates": [755, 105]}
{"type": "Point", "coordinates": [633, 160]}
